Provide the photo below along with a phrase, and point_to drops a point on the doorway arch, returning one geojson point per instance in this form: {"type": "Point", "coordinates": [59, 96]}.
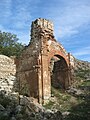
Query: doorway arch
{"type": "Point", "coordinates": [59, 72]}
{"type": "Point", "coordinates": [34, 62]}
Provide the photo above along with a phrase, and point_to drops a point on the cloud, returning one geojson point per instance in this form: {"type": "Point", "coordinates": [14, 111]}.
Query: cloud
{"type": "Point", "coordinates": [24, 37]}
{"type": "Point", "coordinates": [67, 31]}
{"type": "Point", "coordinates": [23, 13]}
{"type": "Point", "coordinates": [82, 51]}
{"type": "Point", "coordinates": [16, 18]}
{"type": "Point", "coordinates": [21, 17]}
{"type": "Point", "coordinates": [71, 19]}
{"type": "Point", "coordinates": [5, 10]}
{"type": "Point", "coordinates": [2, 28]}
{"type": "Point", "coordinates": [68, 17]}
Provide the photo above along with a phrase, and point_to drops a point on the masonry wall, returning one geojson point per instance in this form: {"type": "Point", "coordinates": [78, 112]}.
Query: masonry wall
{"type": "Point", "coordinates": [26, 68]}
{"type": "Point", "coordinates": [7, 73]}
{"type": "Point", "coordinates": [33, 66]}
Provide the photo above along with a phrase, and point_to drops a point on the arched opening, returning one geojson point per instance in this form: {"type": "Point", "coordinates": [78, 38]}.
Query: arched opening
{"type": "Point", "coordinates": [59, 72]}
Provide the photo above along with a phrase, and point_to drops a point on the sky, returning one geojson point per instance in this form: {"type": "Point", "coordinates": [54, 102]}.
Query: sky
{"type": "Point", "coordinates": [71, 19]}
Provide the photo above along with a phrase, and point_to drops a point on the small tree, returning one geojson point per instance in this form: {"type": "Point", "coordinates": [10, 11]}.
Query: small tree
{"type": "Point", "coordinates": [9, 44]}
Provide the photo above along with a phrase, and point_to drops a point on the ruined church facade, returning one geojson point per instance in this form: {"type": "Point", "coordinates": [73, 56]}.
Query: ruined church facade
{"type": "Point", "coordinates": [44, 62]}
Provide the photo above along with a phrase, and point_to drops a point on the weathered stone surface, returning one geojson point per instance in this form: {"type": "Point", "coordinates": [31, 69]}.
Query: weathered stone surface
{"type": "Point", "coordinates": [29, 110]}
{"type": "Point", "coordinates": [7, 73]}
{"type": "Point", "coordinates": [1, 108]}
{"type": "Point", "coordinates": [34, 65]}
{"type": "Point", "coordinates": [84, 65]}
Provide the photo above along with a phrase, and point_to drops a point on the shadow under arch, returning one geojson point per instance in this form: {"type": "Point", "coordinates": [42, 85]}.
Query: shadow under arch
{"type": "Point", "coordinates": [59, 72]}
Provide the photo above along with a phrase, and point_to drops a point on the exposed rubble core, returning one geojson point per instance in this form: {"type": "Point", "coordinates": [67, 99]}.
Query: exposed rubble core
{"type": "Point", "coordinates": [7, 73]}
{"type": "Point", "coordinates": [34, 65]}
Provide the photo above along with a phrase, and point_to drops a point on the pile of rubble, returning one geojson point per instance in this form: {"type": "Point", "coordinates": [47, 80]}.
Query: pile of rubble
{"type": "Point", "coordinates": [25, 108]}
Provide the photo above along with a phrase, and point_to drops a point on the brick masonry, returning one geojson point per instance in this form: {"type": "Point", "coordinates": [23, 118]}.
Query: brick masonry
{"type": "Point", "coordinates": [44, 62]}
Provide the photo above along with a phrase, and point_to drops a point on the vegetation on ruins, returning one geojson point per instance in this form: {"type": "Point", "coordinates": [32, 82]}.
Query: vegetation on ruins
{"type": "Point", "coordinates": [9, 44]}
{"type": "Point", "coordinates": [76, 101]}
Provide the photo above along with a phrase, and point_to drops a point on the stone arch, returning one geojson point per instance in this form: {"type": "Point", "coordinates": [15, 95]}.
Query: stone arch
{"type": "Point", "coordinates": [55, 49]}
{"type": "Point", "coordinates": [59, 72]}
{"type": "Point", "coordinates": [34, 62]}
{"type": "Point", "coordinates": [58, 53]}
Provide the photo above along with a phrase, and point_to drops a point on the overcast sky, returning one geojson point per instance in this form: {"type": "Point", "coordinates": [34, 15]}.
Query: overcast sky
{"type": "Point", "coordinates": [71, 20]}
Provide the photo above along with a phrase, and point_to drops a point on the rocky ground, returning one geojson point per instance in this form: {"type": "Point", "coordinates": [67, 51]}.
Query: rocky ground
{"type": "Point", "coordinates": [24, 108]}
{"type": "Point", "coordinates": [72, 104]}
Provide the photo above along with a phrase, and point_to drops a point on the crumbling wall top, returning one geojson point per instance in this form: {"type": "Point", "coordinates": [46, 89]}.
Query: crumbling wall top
{"type": "Point", "coordinates": [43, 23]}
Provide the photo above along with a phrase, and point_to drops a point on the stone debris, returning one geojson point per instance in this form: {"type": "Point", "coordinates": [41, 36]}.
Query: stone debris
{"type": "Point", "coordinates": [1, 108]}
{"type": "Point", "coordinates": [26, 110]}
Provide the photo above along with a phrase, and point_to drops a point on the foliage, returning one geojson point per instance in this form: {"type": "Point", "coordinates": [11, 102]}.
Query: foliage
{"type": "Point", "coordinates": [9, 44]}
{"type": "Point", "coordinates": [85, 83]}
{"type": "Point", "coordinates": [82, 73]}
{"type": "Point", "coordinates": [78, 105]}
{"type": "Point", "coordinates": [49, 105]}
{"type": "Point", "coordinates": [22, 87]}
{"type": "Point", "coordinates": [6, 100]}
{"type": "Point", "coordinates": [81, 111]}
{"type": "Point", "coordinates": [62, 100]}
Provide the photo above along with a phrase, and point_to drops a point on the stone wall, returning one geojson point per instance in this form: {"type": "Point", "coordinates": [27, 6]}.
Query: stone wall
{"type": "Point", "coordinates": [7, 73]}
{"type": "Point", "coordinates": [43, 62]}
{"type": "Point", "coordinates": [33, 66]}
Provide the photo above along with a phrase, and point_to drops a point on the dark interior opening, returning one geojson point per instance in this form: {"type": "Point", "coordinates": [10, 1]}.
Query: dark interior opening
{"type": "Point", "coordinates": [59, 72]}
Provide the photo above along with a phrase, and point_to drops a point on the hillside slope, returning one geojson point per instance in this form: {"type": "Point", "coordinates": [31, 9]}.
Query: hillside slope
{"type": "Point", "coordinates": [74, 102]}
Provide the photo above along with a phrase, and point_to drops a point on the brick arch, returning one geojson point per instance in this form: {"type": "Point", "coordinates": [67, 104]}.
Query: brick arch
{"type": "Point", "coordinates": [59, 56]}
{"type": "Point", "coordinates": [34, 61]}
{"type": "Point", "coordinates": [59, 72]}
{"type": "Point", "coordinates": [59, 53]}
{"type": "Point", "coordinates": [55, 48]}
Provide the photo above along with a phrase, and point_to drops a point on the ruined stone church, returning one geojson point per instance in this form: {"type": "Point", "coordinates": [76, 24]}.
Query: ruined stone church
{"type": "Point", "coordinates": [44, 62]}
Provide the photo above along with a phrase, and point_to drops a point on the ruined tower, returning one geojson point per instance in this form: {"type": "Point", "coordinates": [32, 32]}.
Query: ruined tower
{"type": "Point", "coordinates": [43, 62]}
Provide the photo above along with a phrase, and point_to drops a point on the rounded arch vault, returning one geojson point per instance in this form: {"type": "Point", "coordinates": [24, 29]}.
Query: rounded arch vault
{"type": "Point", "coordinates": [59, 72]}
{"type": "Point", "coordinates": [54, 63]}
